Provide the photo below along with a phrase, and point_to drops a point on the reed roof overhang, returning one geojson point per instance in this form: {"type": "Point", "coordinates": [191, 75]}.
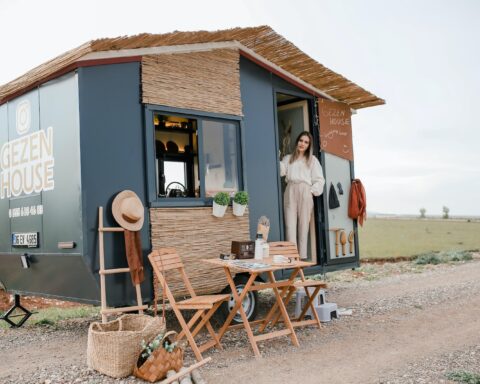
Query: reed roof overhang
{"type": "Point", "coordinates": [260, 44]}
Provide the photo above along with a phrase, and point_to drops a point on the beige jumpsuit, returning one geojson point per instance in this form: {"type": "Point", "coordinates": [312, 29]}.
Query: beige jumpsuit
{"type": "Point", "coordinates": [303, 181]}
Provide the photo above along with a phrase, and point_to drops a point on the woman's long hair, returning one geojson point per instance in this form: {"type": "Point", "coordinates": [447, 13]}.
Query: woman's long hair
{"type": "Point", "coordinates": [308, 152]}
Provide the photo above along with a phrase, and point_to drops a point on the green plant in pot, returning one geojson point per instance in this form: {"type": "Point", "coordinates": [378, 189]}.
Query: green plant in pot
{"type": "Point", "coordinates": [240, 202]}
{"type": "Point", "coordinates": [220, 203]}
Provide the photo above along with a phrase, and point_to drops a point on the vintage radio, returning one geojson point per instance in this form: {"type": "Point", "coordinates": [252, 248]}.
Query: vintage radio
{"type": "Point", "coordinates": [243, 249]}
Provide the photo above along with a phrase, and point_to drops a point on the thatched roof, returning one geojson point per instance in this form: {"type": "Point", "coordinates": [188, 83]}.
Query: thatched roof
{"type": "Point", "coordinates": [262, 41]}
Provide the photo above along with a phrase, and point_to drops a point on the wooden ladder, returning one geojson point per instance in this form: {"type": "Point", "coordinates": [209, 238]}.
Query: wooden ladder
{"type": "Point", "coordinates": [105, 311]}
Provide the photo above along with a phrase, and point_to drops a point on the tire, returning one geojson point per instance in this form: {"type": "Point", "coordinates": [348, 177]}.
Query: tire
{"type": "Point", "coordinates": [250, 303]}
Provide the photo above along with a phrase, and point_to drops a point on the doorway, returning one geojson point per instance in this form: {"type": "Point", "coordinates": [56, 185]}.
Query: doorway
{"type": "Point", "coordinates": [292, 119]}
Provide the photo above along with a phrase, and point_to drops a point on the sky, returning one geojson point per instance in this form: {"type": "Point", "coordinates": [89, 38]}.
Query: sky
{"type": "Point", "coordinates": [420, 150]}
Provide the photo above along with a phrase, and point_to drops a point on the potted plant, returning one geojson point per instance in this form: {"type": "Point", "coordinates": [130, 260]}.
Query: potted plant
{"type": "Point", "coordinates": [240, 202]}
{"type": "Point", "coordinates": [220, 203]}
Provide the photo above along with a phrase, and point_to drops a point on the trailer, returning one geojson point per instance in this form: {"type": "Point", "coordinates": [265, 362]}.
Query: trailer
{"type": "Point", "coordinates": [175, 118]}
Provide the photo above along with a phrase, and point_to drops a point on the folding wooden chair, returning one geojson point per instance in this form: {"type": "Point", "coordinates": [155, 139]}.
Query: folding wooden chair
{"type": "Point", "coordinates": [288, 249]}
{"type": "Point", "coordinates": [166, 259]}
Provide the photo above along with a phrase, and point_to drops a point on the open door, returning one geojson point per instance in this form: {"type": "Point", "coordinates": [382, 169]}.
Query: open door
{"type": "Point", "coordinates": [292, 119]}
{"type": "Point", "coordinates": [336, 144]}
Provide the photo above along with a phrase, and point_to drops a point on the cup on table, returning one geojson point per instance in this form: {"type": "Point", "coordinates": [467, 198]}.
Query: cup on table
{"type": "Point", "coordinates": [281, 259]}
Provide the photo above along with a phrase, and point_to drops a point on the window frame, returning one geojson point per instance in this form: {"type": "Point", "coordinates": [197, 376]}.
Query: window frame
{"type": "Point", "coordinates": [150, 169]}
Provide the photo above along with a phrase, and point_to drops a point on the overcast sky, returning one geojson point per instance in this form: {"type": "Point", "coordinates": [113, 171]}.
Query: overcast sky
{"type": "Point", "coordinates": [422, 57]}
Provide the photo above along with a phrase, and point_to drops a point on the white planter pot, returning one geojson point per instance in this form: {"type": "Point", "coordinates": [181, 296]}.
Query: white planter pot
{"type": "Point", "coordinates": [218, 210]}
{"type": "Point", "coordinates": [238, 209]}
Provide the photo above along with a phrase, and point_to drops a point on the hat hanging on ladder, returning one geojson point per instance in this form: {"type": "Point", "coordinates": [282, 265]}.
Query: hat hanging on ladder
{"type": "Point", "coordinates": [128, 210]}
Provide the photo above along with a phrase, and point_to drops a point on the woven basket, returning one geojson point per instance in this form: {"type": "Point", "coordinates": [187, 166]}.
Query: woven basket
{"type": "Point", "coordinates": [113, 347]}
{"type": "Point", "coordinates": [160, 362]}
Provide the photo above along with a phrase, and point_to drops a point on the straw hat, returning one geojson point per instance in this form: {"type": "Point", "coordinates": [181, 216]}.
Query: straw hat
{"type": "Point", "coordinates": [128, 210]}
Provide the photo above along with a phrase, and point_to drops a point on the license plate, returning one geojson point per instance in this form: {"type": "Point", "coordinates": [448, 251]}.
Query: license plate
{"type": "Point", "coordinates": [27, 239]}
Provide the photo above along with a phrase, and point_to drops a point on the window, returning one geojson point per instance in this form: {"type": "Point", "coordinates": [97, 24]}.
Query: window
{"type": "Point", "coordinates": [176, 156]}
{"type": "Point", "coordinates": [196, 157]}
{"type": "Point", "coordinates": [220, 154]}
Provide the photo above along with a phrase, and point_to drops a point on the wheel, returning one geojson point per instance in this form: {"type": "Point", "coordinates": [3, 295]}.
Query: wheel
{"type": "Point", "coordinates": [175, 192]}
{"type": "Point", "coordinates": [250, 302]}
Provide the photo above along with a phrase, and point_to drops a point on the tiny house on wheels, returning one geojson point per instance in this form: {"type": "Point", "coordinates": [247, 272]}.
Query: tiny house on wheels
{"type": "Point", "coordinates": [175, 118]}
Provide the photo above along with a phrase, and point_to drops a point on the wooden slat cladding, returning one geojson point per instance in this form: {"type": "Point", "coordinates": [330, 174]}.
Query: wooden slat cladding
{"type": "Point", "coordinates": [196, 234]}
{"type": "Point", "coordinates": [205, 81]}
{"type": "Point", "coordinates": [262, 40]}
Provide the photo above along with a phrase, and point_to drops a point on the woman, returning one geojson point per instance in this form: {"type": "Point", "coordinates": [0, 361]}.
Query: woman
{"type": "Point", "coordinates": [304, 177]}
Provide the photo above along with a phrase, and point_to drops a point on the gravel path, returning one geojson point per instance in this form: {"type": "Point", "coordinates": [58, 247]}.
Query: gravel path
{"type": "Point", "coordinates": [434, 369]}
{"type": "Point", "coordinates": [409, 325]}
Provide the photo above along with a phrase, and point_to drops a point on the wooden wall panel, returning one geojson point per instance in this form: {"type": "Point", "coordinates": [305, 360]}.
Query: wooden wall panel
{"type": "Point", "coordinates": [205, 81]}
{"type": "Point", "coordinates": [196, 235]}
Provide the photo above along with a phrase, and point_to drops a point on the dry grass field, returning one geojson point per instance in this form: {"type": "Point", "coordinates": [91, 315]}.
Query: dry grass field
{"type": "Point", "coordinates": [387, 238]}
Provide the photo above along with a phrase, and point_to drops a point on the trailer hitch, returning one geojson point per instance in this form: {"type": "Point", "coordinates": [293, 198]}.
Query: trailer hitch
{"type": "Point", "coordinates": [11, 313]}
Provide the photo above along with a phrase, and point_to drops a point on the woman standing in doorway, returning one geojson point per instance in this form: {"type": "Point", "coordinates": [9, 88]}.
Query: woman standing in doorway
{"type": "Point", "coordinates": [304, 176]}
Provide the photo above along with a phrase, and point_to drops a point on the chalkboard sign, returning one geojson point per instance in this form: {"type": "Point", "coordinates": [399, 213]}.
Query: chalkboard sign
{"type": "Point", "coordinates": [335, 128]}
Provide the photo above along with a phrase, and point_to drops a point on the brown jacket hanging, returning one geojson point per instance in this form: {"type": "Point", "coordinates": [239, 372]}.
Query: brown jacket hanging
{"type": "Point", "coordinates": [133, 249]}
{"type": "Point", "coordinates": [357, 204]}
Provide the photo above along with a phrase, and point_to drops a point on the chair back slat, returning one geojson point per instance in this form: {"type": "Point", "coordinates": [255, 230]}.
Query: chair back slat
{"type": "Point", "coordinates": [168, 264]}
{"type": "Point", "coordinates": [284, 248]}
{"type": "Point", "coordinates": [165, 259]}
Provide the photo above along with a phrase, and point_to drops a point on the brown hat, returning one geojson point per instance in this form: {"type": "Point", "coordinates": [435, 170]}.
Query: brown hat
{"type": "Point", "coordinates": [128, 210]}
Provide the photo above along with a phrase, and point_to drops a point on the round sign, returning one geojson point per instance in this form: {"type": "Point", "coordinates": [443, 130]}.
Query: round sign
{"type": "Point", "coordinates": [23, 117]}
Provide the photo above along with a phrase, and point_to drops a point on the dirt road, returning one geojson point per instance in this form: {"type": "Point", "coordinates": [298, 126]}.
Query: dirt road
{"type": "Point", "coordinates": [405, 328]}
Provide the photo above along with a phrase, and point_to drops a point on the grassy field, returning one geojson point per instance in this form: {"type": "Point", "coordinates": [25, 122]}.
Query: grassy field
{"type": "Point", "coordinates": [387, 238]}
{"type": "Point", "coordinates": [50, 316]}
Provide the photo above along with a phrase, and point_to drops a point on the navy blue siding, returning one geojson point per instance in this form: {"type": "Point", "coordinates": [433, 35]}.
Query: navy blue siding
{"type": "Point", "coordinates": [4, 203]}
{"type": "Point", "coordinates": [112, 142]}
{"type": "Point", "coordinates": [258, 87]}
{"type": "Point", "coordinates": [261, 147]}
{"type": "Point", "coordinates": [283, 85]}
{"type": "Point", "coordinates": [54, 272]}
{"type": "Point", "coordinates": [62, 219]}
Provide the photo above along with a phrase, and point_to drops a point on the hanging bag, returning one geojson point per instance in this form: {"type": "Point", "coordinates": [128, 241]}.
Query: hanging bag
{"type": "Point", "coordinates": [333, 198]}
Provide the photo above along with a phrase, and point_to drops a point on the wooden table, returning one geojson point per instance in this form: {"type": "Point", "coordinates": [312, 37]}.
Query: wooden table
{"type": "Point", "coordinates": [255, 268]}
